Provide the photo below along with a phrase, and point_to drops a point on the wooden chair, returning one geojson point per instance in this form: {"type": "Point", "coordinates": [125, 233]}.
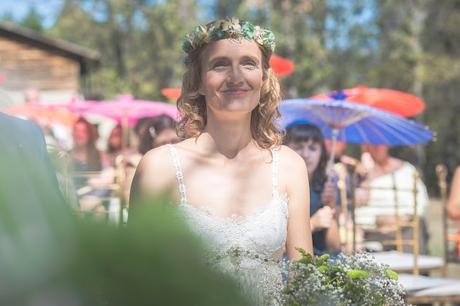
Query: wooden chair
{"type": "Point", "coordinates": [109, 206]}
{"type": "Point", "coordinates": [345, 225]}
{"type": "Point", "coordinates": [399, 242]}
{"type": "Point", "coordinates": [451, 238]}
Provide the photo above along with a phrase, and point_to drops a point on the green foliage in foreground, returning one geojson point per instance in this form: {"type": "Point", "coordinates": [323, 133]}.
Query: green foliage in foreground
{"type": "Point", "coordinates": [347, 280]}
{"type": "Point", "coordinates": [52, 257]}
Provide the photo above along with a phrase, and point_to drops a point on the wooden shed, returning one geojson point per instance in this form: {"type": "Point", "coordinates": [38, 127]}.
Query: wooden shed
{"type": "Point", "coordinates": [57, 69]}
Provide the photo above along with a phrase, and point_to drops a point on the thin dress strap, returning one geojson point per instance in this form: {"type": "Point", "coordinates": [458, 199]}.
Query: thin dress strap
{"type": "Point", "coordinates": [275, 174]}
{"type": "Point", "coordinates": [179, 173]}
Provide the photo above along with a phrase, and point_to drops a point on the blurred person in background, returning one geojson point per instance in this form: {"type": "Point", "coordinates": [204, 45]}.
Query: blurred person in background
{"type": "Point", "coordinates": [84, 154]}
{"type": "Point", "coordinates": [114, 146]}
{"type": "Point", "coordinates": [28, 178]}
{"type": "Point", "coordinates": [31, 95]}
{"type": "Point", "coordinates": [85, 166]}
{"type": "Point", "coordinates": [141, 126]}
{"type": "Point", "coordinates": [158, 131]}
{"type": "Point", "coordinates": [377, 198]}
{"type": "Point", "coordinates": [453, 204]}
{"type": "Point", "coordinates": [307, 140]}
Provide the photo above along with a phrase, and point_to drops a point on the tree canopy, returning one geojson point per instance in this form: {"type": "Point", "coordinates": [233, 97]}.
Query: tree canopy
{"type": "Point", "coordinates": [411, 45]}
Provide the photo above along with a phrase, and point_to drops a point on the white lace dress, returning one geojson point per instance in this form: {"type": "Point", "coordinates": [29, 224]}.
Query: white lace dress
{"type": "Point", "coordinates": [248, 248]}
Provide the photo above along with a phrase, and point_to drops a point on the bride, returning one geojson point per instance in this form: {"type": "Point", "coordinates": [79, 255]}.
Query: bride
{"type": "Point", "coordinates": [234, 183]}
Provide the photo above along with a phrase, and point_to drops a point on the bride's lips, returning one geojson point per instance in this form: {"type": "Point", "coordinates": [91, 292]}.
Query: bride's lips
{"type": "Point", "coordinates": [237, 92]}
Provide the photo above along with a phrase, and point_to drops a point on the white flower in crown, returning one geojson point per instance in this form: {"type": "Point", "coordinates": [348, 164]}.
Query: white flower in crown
{"type": "Point", "coordinates": [257, 31]}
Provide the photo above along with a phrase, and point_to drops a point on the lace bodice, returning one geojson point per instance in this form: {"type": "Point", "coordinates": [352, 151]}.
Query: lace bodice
{"type": "Point", "coordinates": [251, 247]}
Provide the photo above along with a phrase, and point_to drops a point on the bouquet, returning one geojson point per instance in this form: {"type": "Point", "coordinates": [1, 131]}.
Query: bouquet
{"type": "Point", "coordinates": [344, 280]}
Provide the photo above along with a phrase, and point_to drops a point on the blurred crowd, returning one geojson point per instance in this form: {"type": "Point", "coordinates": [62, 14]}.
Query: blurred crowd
{"type": "Point", "coordinates": [371, 201]}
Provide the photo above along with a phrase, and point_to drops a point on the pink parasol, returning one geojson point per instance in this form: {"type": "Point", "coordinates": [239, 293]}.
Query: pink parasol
{"type": "Point", "coordinates": [126, 111]}
{"type": "Point", "coordinates": [75, 106]}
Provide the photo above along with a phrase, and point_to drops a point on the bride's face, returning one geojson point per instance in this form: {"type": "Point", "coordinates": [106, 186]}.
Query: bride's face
{"type": "Point", "coordinates": [232, 73]}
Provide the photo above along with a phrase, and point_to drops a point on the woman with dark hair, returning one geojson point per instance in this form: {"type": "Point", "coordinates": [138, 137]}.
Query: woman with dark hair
{"type": "Point", "coordinates": [159, 131]}
{"type": "Point", "coordinates": [114, 147]}
{"type": "Point", "coordinates": [84, 154]}
{"type": "Point", "coordinates": [307, 140]}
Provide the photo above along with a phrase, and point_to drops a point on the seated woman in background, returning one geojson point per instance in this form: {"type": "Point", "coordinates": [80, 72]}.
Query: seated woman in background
{"type": "Point", "coordinates": [86, 158]}
{"type": "Point", "coordinates": [389, 184]}
{"type": "Point", "coordinates": [84, 154]}
{"type": "Point", "coordinates": [453, 205]}
{"type": "Point", "coordinates": [114, 146]}
{"type": "Point", "coordinates": [307, 140]}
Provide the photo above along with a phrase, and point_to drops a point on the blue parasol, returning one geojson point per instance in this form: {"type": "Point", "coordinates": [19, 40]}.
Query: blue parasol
{"type": "Point", "coordinates": [354, 123]}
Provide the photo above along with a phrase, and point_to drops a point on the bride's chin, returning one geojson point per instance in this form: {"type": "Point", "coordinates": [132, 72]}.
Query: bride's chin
{"type": "Point", "coordinates": [234, 107]}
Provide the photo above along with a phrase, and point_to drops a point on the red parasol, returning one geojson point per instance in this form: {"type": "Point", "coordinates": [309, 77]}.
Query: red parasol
{"type": "Point", "coordinates": [390, 100]}
{"type": "Point", "coordinates": [171, 93]}
{"type": "Point", "coordinates": [281, 66]}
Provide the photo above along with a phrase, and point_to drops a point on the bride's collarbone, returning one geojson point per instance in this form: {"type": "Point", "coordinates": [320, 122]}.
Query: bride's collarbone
{"type": "Point", "coordinates": [239, 195]}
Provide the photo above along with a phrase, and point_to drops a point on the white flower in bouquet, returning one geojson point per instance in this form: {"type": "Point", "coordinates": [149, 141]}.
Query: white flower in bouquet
{"type": "Point", "coordinates": [345, 280]}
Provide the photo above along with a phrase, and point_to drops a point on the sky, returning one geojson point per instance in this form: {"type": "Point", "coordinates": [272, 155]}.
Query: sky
{"type": "Point", "coordinates": [48, 9]}
{"type": "Point", "coordinates": [19, 8]}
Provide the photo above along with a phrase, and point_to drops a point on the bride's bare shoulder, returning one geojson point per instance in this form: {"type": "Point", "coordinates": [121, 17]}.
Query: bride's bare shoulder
{"type": "Point", "coordinates": [156, 171]}
{"type": "Point", "coordinates": [290, 160]}
{"type": "Point", "coordinates": [292, 168]}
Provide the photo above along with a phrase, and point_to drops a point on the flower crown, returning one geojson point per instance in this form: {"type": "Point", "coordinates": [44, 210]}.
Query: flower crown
{"type": "Point", "coordinates": [228, 28]}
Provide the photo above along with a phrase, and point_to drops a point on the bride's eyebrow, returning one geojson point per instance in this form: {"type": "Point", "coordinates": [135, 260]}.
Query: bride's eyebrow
{"type": "Point", "coordinates": [253, 58]}
{"type": "Point", "coordinates": [218, 58]}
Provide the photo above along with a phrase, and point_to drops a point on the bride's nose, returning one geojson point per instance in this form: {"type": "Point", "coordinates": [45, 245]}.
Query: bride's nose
{"type": "Point", "coordinates": [235, 75]}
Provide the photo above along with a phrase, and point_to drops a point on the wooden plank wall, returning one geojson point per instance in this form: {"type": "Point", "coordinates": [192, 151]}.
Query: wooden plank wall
{"type": "Point", "coordinates": [26, 66]}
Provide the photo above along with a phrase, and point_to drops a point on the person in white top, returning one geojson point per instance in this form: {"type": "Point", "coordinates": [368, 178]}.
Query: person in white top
{"type": "Point", "coordinates": [453, 205]}
{"type": "Point", "coordinates": [232, 160]}
{"type": "Point", "coordinates": [378, 199]}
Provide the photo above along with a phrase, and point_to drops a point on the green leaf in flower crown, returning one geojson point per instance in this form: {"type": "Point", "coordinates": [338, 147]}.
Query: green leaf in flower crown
{"type": "Point", "coordinates": [187, 45]}
{"type": "Point", "coordinates": [268, 39]}
{"type": "Point", "coordinates": [218, 34]}
{"type": "Point", "coordinates": [199, 33]}
{"type": "Point", "coordinates": [248, 30]}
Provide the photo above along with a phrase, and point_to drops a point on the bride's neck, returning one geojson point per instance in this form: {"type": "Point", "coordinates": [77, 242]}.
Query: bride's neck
{"type": "Point", "coordinates": [226, 136]}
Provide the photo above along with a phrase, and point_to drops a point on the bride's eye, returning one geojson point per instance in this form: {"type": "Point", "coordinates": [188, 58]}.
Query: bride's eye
{"type": "Point", "coordinates": [219, 65]}
{"type": "Point", "coordinates": [250, 64]}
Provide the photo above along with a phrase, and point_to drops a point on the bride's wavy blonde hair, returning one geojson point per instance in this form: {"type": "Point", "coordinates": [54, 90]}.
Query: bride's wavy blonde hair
{"type": "Point", "coordinates": [192, 105]}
